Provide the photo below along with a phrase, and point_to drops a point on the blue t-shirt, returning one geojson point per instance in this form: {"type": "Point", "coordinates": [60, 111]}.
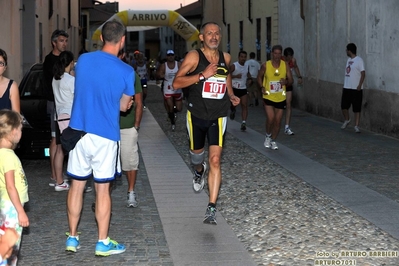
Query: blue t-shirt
{"type": "Point", "coordinates": [101, 79]}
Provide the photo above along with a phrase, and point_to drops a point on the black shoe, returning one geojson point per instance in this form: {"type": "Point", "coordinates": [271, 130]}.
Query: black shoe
{"type": "Point", "coordinates": [243, 127]}
{"type": "Point", "coordinates": [210, 216]}
{"type": "Point", "coordinates": [232, 114]}
{"type": "Point", "coordinates": [256, 102]}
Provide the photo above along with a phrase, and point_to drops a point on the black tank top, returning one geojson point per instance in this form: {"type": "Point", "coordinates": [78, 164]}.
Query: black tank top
{"type": "Point", "coordinates": [203, 108]}
{"type": "Point", "coordinates": [5, 102]}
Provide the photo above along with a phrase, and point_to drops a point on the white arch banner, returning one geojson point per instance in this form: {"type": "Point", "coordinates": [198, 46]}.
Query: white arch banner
{"type": "Point", "coordinates": [136, 20]}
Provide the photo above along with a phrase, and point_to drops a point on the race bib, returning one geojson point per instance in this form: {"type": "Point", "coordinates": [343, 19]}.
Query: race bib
{"type": "Point", "coordinates": [171, 76]}
{"type": "Point", "coordinates": [275, 86]}
{"type": "Point", "coordinates": [169, 86]}
{"type": "Point", "coordinates": [214, 88]}
{"type": "Point", "coordinates": [236, 84]}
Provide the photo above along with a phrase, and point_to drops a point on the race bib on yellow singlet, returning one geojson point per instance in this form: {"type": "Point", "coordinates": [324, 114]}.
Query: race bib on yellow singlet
{"type": "Point", "coordinates": [275, 86]}
{"type": "Point", "coordinates": [214, 88]}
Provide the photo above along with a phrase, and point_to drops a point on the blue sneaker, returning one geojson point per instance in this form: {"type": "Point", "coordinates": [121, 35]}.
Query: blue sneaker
{"type": "Point", "coordinates": [72, 244]}
{"type": "Point", "coordinates": [111, 249]}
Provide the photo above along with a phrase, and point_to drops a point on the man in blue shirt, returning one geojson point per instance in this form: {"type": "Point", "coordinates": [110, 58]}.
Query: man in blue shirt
{"type": "Point", "coordinates": [103, 88]}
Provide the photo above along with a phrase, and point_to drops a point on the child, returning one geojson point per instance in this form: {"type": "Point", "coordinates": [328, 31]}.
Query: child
{"type": "Point", "coordinates": [13, 183]}
{"type": "Point", "coordinates": [8, 238]}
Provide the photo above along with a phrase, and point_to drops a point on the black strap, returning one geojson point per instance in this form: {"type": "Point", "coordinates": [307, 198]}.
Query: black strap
{"type": "Point", "coordinates": [9, 84]}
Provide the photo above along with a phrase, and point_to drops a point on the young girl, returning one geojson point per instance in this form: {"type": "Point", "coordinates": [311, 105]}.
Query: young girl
{"type": "Point", "coordinates": [13, 183]}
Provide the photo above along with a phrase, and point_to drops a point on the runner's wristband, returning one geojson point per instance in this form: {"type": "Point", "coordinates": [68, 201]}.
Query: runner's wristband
{"type": "Point", "coordinates": [201, 77]}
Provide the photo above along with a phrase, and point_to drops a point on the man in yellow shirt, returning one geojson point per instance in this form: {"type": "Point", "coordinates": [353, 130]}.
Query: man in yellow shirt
{"type": "Point", "coordinates": [273, 77]}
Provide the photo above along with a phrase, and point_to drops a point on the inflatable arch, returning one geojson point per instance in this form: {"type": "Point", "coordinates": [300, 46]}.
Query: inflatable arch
{"type": "Point", "coordinates": [136, 20]}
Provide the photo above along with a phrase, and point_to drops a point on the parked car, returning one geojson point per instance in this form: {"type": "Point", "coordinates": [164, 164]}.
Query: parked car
{"type": "Point", "coordinates": [36, 132]}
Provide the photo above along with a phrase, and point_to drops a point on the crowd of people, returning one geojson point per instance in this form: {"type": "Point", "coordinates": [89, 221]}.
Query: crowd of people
{"type": "Point", "coordinates": [104, 109]}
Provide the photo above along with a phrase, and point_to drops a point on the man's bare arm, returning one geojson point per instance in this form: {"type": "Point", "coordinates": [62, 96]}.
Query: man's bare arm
{"type": "Point", "coordinates": [188, 65]}
{"type": "Point", "coordinates": [125, 102]}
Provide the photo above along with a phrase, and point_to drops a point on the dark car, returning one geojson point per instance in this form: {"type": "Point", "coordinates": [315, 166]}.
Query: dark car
{"type": "Point", "coordinates": [36, 132]}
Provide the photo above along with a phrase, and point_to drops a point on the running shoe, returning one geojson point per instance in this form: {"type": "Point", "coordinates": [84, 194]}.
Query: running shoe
{"type": "Point", "coordinates": [131, 200]}
{"type": "Point", "coordinates": [61, 187]}
{"type": "Point", "coordinates": [243, 127]}
{"type": "Point", "coordinates": [173, 127]}
{"type": "Point", "coordinates": [345, 124]}
{"type": "Point", "coordinates": [267, 142]}
{"type": "Point", "coordinates": [88, 189]}
{"type": "Point", "coordinates": [199, 179]}
{"type": "Point", "coordinates": [233, 114]}
{"type": "Point", "coordinates": [357, 129]}
{"type": "Point", "coordinates": [52, 182]}
{"type": "Point", "coordinates": [112, 248]}
{"type": "Point", "coordinates": [210, 216]}
{"type": "Point", "coordinates": [72, 243]}
{"type": "Point", "coordinates": [273, 145]}
{"type": "Point", "coordinates": [288, 131]}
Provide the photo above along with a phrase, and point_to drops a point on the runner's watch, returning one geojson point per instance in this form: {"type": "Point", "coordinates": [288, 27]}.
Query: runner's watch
{"type": "Point", "coordinates": [201, 77]}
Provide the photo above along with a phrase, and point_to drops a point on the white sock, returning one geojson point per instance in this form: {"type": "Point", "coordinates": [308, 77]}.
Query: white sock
{"type": "Point", "coordinates": [105, 241]}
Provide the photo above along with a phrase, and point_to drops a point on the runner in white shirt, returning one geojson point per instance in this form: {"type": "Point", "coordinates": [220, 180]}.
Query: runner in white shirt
{"type": "Point", "coordinates": [173, 98]}
{"type": "Point", "coordinates": [239, 73]}
{"type": "Point", "coordinates": [252, 84]}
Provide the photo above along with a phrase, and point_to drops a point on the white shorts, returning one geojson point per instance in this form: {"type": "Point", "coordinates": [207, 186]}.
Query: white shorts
{"type": "Point", "coordinates": [129, 149]}
{"type": "Point", "coordinates": [94, 155]}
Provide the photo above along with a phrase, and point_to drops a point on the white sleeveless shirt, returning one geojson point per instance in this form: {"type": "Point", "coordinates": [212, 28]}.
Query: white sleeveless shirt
{"type": "Point", "coordinates": [240, 83]}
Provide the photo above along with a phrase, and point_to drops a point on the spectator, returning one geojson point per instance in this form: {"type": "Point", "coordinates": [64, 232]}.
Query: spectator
{"type": "Point", "coordinates": [63, 89]}
{"type": "Point", "coordinates": [352, 93]}
{"type": "Point", "coordinates": [59, 42]}
{"type": "Point", "coordinates": [8, 88]}
{"type": "Point", "coordinates": [103, 88]}
{"type": "Point", "coordinates": [130, 126]}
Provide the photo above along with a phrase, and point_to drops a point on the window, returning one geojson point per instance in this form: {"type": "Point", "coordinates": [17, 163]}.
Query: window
{"type": "Point", "coordinates": [69, 14]}
{"type": "Point", "coordinates": [268, 37]}
{"type": "Point", "coordinates": [228, 38]}
{"type": "Point", "coordinates": [240, 45]}
{"type": "Point", "coordinates": [250, 10]}
{"type": "Point", "coordinates": [258, 40]}
{"type": "Point", "coordinates": [40, 42]}
{"type": "Point", "coordinates": [223, 13]}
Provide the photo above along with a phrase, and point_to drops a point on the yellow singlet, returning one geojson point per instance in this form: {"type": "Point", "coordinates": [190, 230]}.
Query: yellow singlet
{"type": "Point", "coordinates": [275, 92]}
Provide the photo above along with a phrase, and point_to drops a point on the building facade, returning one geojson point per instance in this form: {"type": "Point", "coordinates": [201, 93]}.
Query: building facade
{"type": "Point", "coordinates": [249, 25]}
{"type": "Point", "coordinates": [319, 39]}
{"type": "Point", "coordinates": [319, 31]}
{"type": "Point", "coordinates": [26, 29]}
